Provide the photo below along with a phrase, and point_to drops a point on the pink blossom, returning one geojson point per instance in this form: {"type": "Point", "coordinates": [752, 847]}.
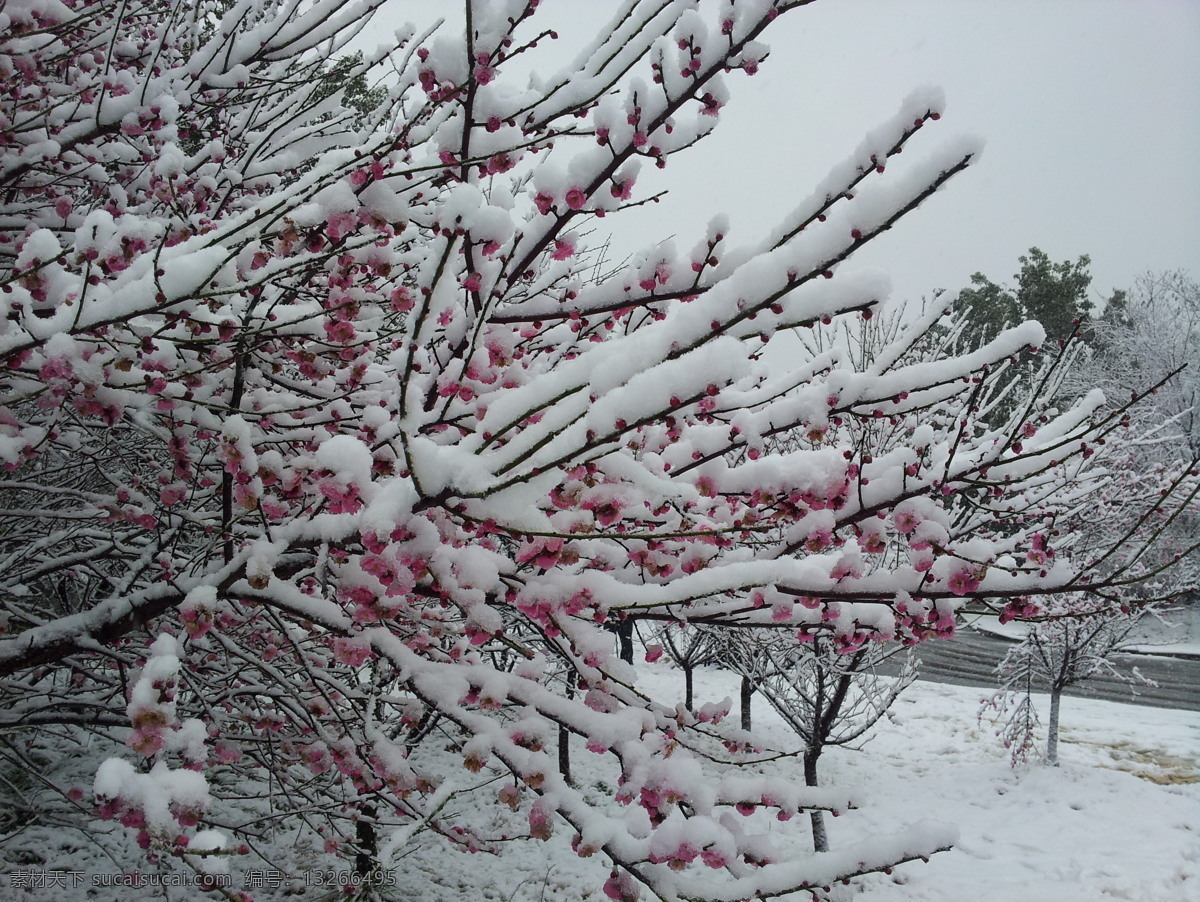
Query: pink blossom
{"type": "Point", "coordinates": [818, 540]}
{"type": "Point", "coordinates": [963, 581]}
{"type": "Point", "coordinates": [873, 543]}
{"type": "Point", "coordinates": [575, 198]}
{"type": "Point", "coordinates": [351, 652]}
{"type": "Point", "coordinates": [343, 499]}
{"type": "Point", "coordinates": [540, 824]}
{"type": "Point", "coordinates": [340, 332]}
{"type": "Point", "coordinates": [622, 190]}
{"type": "Point", "coordinates": [401, 299]}
{"type": "Point", "coordinates": [621, 887]}
{"type": "Point", "coordinates": [606, 510]}
{"type": "Point", "coordinates": [339, 224]}
{"type": "Point", "coordinates": [146, 741]}
{"type": "Point", "coordinates": [544, 552]}
{"type": "Point", "coordinates": [498, 163]}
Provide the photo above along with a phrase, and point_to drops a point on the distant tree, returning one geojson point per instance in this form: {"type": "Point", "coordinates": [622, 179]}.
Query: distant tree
{"type": "Point", "coordinates": [988, 309]}
{"type": "Point", "coordinates": [1143, 335]}
{"type": "Point", "coordinates": [1146, 339]}
{"type": "Point", "coordinates": [350, 75]}
{"type": "Point", "coordinates": [688, 647]}
{"type": "Point", "coordinates": [1149, 338]}
{"type": "Point", "coordinates": [828, 694]}
{"type": "Point", "coordinates": [1056, 654]}
{"type": "Point", "coordinates": [730, 650]}
{"type": "Point", "coordinates": [1054, 294]}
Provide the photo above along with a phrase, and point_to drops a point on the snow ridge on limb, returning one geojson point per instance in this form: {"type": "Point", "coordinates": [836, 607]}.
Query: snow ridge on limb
{"type": "Point", "coordinates": [344, 443]}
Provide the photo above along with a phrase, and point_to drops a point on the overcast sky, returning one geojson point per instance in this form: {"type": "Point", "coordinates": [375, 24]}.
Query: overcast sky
{"type": "Point", "coordinates": [1090, 110]}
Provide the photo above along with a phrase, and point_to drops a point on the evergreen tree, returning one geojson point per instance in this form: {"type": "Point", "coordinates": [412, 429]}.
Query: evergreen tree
{"type": "Point", "coordinates": [1054, 294]}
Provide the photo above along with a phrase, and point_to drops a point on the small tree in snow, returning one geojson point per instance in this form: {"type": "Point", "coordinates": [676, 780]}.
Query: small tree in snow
{"type": "Point", "coordinates": [320, 439]}
{"type": "Point", "coordinates": [1055, 655]}
{"type": "Point", "coordinates": [827, 694]}
{"type": "Point", "coordinates": [687, 648]}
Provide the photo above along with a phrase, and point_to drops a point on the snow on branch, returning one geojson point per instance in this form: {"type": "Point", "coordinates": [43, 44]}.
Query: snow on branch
{"type": "Point", "coordinates": [333, 460]}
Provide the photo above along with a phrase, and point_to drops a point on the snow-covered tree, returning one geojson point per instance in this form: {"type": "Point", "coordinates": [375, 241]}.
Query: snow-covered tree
{"type": "Point", "coordinates": [1056, 654]}
{"type": "Point", "coordinates": [1150, 337]}
{"type": "Point", "coordinates": [827, 695]}
{"type": "Point", "coordinates": [1146, 339]}
{"type": "Point", "coordinates": [320, 438]}
{"type": "Point", "coordinates": [687, 648]}
{"type": "Point", "coordinates": [1143, 335]}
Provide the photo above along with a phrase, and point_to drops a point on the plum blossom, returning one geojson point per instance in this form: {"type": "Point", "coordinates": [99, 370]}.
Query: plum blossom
{"type": "Point", "coordinates": [964, 580]}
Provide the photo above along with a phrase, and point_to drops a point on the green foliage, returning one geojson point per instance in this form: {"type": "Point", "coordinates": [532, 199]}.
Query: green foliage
{"type": "Point", "coordinates": [1054, 294]}
{"type": "Point", "coordinates": [987, 310]}
{"type": "Point", "coordinates": [346, 75]}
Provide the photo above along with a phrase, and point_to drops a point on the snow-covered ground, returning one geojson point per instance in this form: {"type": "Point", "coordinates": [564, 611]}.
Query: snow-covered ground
{"type": "Point", "coordinates": [1119, 820]}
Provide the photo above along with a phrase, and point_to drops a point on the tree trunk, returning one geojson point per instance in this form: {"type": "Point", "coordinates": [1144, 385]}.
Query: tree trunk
{"type": "Point", "coordinates": [1052, 738]}
{"type": "Point", "coordinates": [366, 858]}
{"type": "Point", "coordinates": [625, 635]}
{"type": "Point", "coordinates": [747, 691]}
{"type": "Point", "coordinates": [564, 753]}
{"type": "Point", "coordinates": [687, 686]}
{"type": "Point", "coordinates": [564, 739]}
{"type": "Point", "coordinates": [815, 816]}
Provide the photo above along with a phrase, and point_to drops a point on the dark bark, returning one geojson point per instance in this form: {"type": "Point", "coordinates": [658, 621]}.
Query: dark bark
{"type": "Point", "coordinates": [625, 635]}
{"type": "Point", "coordinates": [366, 858]}
{"type": "Point", "coordinates": [564, 739]}
{"type": "Point", "coordinates": [747, 691]}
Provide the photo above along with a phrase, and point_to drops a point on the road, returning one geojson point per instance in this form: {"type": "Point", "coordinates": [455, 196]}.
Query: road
{"type": "Point", "coordinates": [970, 658]}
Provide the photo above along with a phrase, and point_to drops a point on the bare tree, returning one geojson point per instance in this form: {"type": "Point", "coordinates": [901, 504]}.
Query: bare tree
{"type": "Point", "coordinates": [828, 693]}
{"type": "Point", "coordinates": [688, 647]}
{"type": "Point", "coordinates": [1056, 654]}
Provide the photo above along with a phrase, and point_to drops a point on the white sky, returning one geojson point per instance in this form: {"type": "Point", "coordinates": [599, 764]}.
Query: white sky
{"type": "Point", "coordinates": [1090, 110]}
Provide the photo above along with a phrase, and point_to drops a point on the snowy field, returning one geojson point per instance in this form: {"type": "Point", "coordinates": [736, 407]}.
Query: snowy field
{"type": "Point", "coordinates": [1119, 820]}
